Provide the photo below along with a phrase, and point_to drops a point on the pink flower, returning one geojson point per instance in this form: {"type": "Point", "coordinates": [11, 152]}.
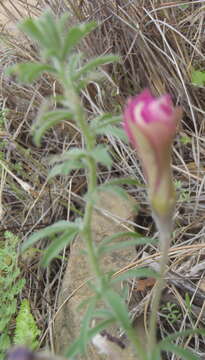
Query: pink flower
{"type": "Point", "coordinates": [150, 124]}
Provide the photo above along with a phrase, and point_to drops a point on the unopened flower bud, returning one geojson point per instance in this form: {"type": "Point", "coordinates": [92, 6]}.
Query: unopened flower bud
{"type": "Point", "coordinates": [150, 123]}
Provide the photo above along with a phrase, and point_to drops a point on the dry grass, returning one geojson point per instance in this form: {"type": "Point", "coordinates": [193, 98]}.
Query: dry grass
{"type": "Point", "coordinates": [159, 43]}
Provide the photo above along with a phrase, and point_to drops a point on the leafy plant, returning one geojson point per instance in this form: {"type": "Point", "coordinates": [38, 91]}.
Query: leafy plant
{"type": "Point", "coordinates": [10, 286]}
{"type": "Point", "coordinates": [184, 6]}
{"type": "Point", "coordinates": [171, 312]}
{"type": "Point", "coordinates": [183, 193]}
{"type": "Point", "coordinates": [26, 332]}
{"type": "Point", "coordinates": [74, 72]}
{"type": "Point", "coordinates": [2, 118]}
{"type": "Point", "coordinates": [185, 140]}
{"type": "Point", "coordinates": [188, 303]}
{"type": "Point", "coordinates": [198, 77]}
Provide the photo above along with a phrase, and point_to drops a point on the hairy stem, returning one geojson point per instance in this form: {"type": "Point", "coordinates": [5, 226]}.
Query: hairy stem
{"type": "Point", "coordinates": [165, 228]}
{"type": "Point", "coordinates": [80, 118]}
{"type": "Point", "coordinates": [87, 228]}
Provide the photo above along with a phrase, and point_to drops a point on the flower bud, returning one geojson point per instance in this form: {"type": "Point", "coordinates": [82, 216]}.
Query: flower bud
{"type": "Point", "coordinates": [150, 123]}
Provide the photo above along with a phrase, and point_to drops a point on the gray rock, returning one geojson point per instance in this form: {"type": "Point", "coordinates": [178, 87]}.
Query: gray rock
{"type": "Point", "coordinates": [74, 287]}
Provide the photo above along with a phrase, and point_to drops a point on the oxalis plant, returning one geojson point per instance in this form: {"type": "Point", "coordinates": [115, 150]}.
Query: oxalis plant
{"type": "Point", "coordinates": [150, 124]}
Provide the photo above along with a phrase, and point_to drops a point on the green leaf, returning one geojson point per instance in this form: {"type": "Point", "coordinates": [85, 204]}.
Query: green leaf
{"type": "Point", "coordinates": [125, 234]}
{"type": "Point", "coordinates": [119, 308]}
{"type": "Point", "coordinates": [178, 350]}
{"type": "Point", "coordinates": [102, 313]}
{"type": "Point", "coordinates": [188, 303]}
{"type": "Point", "coordinates": [72, 154]}
{"type": "Point", "coordinates": [105, 119]}
{"type": "Point", "coordinates": [124, 181]}
{"type": "Point", "coordinates": [18, 286]}
{"type": "Point", "coordinates": [5, 342]}
{"type": "Point", "coordinates": [47, 32]}
{"type": "Point", "coordinates": [94, 63]}
{"type": "Point", "coordinates": [184, 333]}
{"type": "Point", "coordinates": [110, 130]}
{"type": "Point", "coordinates": [26, 332]}
{"type": "Point", "coordinates": [74, 62]}
{"type": "Point", "coordinates": [103, 125]}
{"type": "Point", "coordinates": [56, 228]}
{"type": "Point", "coordinates": [156, 354]}
{"type": "Point", "coordinates": [4, 322]}
{"type": "Point", "coordinates": [73, 159]}
{"type": "Point", "coordinates": [136, 273]}
{"type": "Point", "coordinates": [57, 245]}
{"type": "Point", "coordinates": [184, 6]}
{"type": "Point", "coordinates": [74, 35]}
{"type": "Point", "coordinates": [28, 72]}
{"type": "Point", "coordinates": [76, 347]}
{"type": "Point", "coordinates": [198, 77]}
{"type": "Point", "coordinates": [31, 27]}
{"type": "Point", "coordinates": [114, 189]}
{"type": "Point", "coordinates": [91, 77]}
{"type": "Point", "coordinates": [102, 249]}
{"type": "Point", "coordinates": [86, 301]}
{"type": "Point", "coordinates": [100, 154]}
{"type": "Point", "coordinates": [185, 140]}
{"type": "Point", "coordinates": [47, 120]}
{"type": "Point", "coordinates": [85, 325]}
{"type": "Point", "coordinates": [65, 168]}
{"type": "Point", "coordinates": [50, 27]}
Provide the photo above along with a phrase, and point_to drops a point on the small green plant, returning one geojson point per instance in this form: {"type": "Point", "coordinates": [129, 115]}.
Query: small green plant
{"type": "Point", "coordinates": [184, 6]}
{"type": "Point", "coordinates": [17, 166]}
{"type": "Point", "coordinates": [69, 67]}
{"type": "Point", "coordinates": [183, 193]}
{"type": "Point", "coordinates": [185, 140]}
{"type": "Point", "coordinates": [188, 303]}
{"type": "Point", "coordinates": [2, 128]}
{"type": "Point", "coordinates": [3, 113]}
{"type": "Point", "coordinates": [26, 332]}
{"type": "Point", "coordinates": [10, 286]}
{"type": "Point", "coordinates": [171, 312]}
{"type": "Point", "coordinates": [198, 77]}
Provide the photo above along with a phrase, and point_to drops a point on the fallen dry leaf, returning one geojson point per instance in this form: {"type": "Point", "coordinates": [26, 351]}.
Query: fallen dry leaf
{"type": "Point", "coordinates": [144, 284]}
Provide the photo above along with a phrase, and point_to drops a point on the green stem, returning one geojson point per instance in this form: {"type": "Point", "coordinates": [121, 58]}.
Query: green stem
{"type": "Point", "coordinates": [165, 228]}
{"type": "Point", "coordinates": [134, 338]}
{"type": "Point", "coordinates": [75, 104]}
{"type": "Point", "coordinates": [87, 228]}
{"type": "Point", "coordinates": [80, 118]}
